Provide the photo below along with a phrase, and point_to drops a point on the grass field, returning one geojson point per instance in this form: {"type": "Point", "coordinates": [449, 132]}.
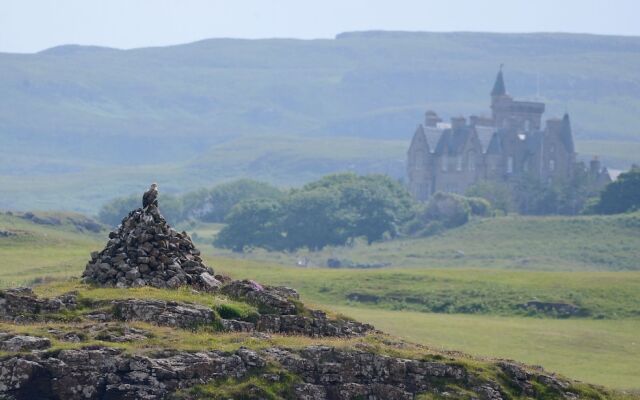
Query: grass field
{"type": "Point", "coordinates": [474, 291]}
{"type": "Point", "coordinates": [512, 242]}
{"type": "Point", "coordinates": [603, 351]}
{"type": "Point", "coordinates": [36, 251]}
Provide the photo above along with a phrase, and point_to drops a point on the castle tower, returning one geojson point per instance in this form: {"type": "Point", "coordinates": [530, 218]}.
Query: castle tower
{"type": "Point", "coordinates": [525, 116]}
{"type": "Point", "coordinates": [499, 88]}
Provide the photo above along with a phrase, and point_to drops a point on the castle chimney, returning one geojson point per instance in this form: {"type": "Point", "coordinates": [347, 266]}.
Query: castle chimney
{"type": "Point", "coordinates": [594, 166]}
{"type": "Point", "coordinates": [458, 122]}
{"type": "Point", "coordinates": [431, 119]}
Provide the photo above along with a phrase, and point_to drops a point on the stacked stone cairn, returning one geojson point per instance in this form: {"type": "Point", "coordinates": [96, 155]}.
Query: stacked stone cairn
{"type": "Point", "coordinates": [145, 251]}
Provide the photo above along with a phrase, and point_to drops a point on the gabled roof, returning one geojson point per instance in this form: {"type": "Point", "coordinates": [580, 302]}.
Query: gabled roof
{"type": "Point", "coordinates": [566, 135]}
{"type": "Point", "coordinates": [419, 140]}
{"type": "Point", "coordinates": [452, 141]}
{"type": "Point", "coordinates": [485, 133]}
{"type": "Point", "coordinates": [495, 145]}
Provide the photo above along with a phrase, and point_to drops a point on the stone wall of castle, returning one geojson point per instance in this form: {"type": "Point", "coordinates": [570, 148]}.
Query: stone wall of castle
{"type": "Point", "coordinates": [510, 144]}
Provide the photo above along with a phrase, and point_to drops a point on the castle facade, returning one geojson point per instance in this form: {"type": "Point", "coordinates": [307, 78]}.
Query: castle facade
{"type": "Point", "coordinates": [512, 143]}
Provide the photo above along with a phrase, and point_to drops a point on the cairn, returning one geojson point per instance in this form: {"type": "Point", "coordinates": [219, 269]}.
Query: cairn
{"type": "Point", "coordinates": [145, 251]}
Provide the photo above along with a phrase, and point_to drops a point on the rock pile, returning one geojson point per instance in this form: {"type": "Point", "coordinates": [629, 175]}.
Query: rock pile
{"type": "Point", "coordinates": [145, 250]}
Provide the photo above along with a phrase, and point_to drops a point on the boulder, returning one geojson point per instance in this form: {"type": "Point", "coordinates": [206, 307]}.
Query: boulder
{"type": "Point", "coordinates": [24, 343]}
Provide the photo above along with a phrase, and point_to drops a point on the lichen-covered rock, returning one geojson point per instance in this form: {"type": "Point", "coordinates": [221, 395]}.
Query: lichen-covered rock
{"type": "Point", "coordinates": [167, 313]}
{"type": "Point", "coordinates": [23, 304]}
{"type": "Point", "coordinates": [317, 325]}
{"type": "Point", "coordinates": [321, 373]}
{"type": "Point", "coordinates": [103, 373]}
{"type": "Point", "coordinates": [145, 250]}
{"type": "Point", "coordinates": [277, 300]}
{"type": "Point", "coordinates": [359, 370]}
{"type": "Point", "coordinates": [24, 343]}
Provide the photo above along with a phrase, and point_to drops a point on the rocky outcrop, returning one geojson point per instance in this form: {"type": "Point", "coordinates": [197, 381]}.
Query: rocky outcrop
{"type": "Point", "coordinates": [316, 325]}
{"type": "Point", "coordinates": [18, 343]}
{"type": "Point", "coordinates": [166, 313]}
{"type": "Point", "coordinates": [104, 373]}
{"type": "Point", "coordinates": [145, 250]}
{"type": "Point", "coordinates": [325, 373]}
{"type": "Point", "coordinates": [335, 374]}
{"type": "Point", "coordinates": [269, 299]}
{"type": "Point", "coordinates": [559, 309]}
{"type": "Point", "coordinates": [22, 304]}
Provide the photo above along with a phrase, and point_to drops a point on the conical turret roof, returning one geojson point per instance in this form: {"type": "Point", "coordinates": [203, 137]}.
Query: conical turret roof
{"type": "Point", "coordinates": [499, 88]}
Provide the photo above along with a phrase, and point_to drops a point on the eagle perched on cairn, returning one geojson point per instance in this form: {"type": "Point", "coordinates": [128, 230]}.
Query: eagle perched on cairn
{"type": "Point", "coordinates": [150, 197]}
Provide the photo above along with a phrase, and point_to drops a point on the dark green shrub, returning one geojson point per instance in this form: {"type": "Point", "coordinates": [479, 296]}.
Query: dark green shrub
{"type": "Point", "coordinates": [479, 206]}
{"type": "Point", "coordinates": [449, 209]}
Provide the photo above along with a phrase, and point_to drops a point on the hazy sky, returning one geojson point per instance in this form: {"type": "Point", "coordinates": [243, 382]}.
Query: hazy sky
{"type": "Point", "coordinates": [33, 25]}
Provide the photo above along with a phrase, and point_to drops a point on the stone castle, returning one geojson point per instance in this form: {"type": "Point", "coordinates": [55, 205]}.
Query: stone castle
{"type": "Point", "coordinates": [510, 144]}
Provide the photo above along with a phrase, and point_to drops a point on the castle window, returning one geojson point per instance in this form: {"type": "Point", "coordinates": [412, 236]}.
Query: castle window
{"type": "Point", "coordinates": [509, 165]}
{"type": "Point", "coordinates": [459, 163]}
{"type": "Point", "coordinates": [444, 165]}
{"type": "Point", "coordinates": [552, 165]}
{"type": "Point", "coordinates": [471, 161]}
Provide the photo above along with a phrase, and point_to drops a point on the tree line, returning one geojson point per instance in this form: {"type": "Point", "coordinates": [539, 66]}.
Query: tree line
{"type": "Point", "coordinates": [337, 209]}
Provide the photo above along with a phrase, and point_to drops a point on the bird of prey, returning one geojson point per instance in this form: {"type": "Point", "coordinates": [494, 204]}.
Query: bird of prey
{"type": "Point", "coordinates": [150, 196]}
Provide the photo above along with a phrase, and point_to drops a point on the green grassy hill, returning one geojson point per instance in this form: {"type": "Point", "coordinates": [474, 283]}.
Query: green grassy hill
{"type": "Point", "coordinates": [31, 252]}
{"type": "Point", "coordinates": [196, 114]}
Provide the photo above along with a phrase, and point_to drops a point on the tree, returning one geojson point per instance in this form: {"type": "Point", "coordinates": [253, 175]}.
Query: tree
{"type": "Point", "coordinates": [533, 197]}
{"type": "Point", "coordinates": [213, 205]}
{"type": "Point", "coordinates": [254, 222]}
{"type": "Point", "coordinates": [496, 193]}
{"type": "Point", "coordinates": [621, 195]}
{"type": "Point", "coordinates": [310, 219]}
{"type": "Point", "coordinates": [330, 211]}
{"type": "Point", "coordinates": [448, 209]}
{"type": "Point", "coordinates": [370, 206]}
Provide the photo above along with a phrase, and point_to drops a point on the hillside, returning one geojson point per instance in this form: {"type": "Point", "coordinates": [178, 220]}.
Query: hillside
{"type": "Point", "coordinates": [195, 114]}
{"type": "Point", "coordinates": [149, 319]}
{"type": "Point", "coordinates": [607, 333]}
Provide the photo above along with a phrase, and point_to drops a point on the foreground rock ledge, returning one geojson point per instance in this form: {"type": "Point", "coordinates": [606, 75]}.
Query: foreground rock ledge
{"type": "Point", "coordinates": [324, 372]}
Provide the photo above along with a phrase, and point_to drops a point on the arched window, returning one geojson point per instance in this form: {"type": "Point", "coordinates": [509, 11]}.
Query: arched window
{"type": "Point", "coordinates": [509, 165]}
